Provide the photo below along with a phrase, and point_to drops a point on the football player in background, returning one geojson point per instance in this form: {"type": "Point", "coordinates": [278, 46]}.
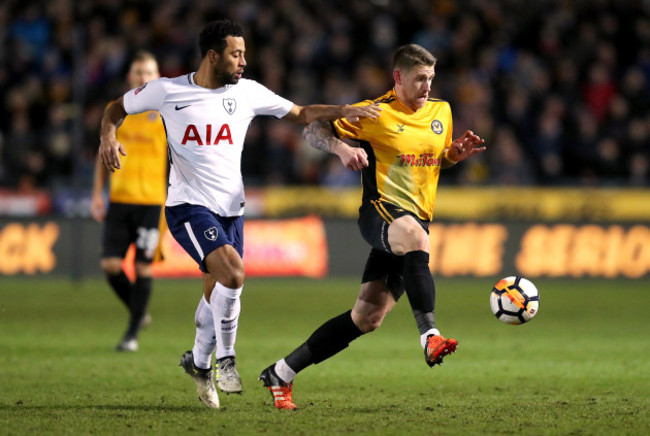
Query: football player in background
{"type": "Point", "coordinates": [136, 197]}
{"type": "Point", "coordinates": [400, 157]}
{"type": "Point", "coordinates": [207, 114]}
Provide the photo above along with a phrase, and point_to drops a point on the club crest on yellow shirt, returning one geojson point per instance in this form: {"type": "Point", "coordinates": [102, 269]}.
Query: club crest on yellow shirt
{"type": "Point", "coordinates": [436, 126]}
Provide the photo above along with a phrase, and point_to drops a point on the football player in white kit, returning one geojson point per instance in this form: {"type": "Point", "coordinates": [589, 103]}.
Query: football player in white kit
{"type": "Point", "coordinates": [206, 116]}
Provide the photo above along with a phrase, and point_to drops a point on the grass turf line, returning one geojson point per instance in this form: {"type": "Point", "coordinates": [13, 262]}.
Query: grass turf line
{"type": "Point", "coordinates": [580, 367]}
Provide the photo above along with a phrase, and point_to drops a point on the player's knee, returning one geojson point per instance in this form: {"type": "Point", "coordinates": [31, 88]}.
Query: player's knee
{"type": "Point", "coordinates": [416, 238]}
{"type": "Point", "coordinates": [226, 266]}
{"type": "Point", "coordinates": [369, 322]}
{"type": "Point", "coordinates": [234, 278]}
{"type": "Point", "coordinates": [111, 266]}
{"type": "Point", "coordinates": [419, 241]}
{"type": "Point", "coordinates": [411, 237]}
{"type": "Point", "coordinates": [143, 269]}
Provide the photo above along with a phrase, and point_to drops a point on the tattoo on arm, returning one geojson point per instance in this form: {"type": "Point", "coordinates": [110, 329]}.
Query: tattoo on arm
{"type": "Point", "coordinates": [319, 135]}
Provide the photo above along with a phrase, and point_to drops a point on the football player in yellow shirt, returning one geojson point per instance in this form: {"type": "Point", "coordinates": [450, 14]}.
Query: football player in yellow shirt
{"type": "Point", "coordinates": [137, 194]}
{"type": "Point", "coordinates": [400, 157]}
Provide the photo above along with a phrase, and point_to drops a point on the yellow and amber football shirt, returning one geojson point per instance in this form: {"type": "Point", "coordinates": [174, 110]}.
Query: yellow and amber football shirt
{"type": "Point", "coordinates": [143, 177]}
{"type": "Point", "coordinates": [404, 150]}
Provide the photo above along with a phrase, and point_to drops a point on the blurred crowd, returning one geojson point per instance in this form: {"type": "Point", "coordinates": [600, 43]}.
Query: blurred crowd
{"type": "Point", "coordinates": [560, 89]}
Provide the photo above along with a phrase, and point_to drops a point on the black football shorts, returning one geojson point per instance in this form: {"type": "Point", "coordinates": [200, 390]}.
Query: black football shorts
{"type": "Point", "coordinates": [131, 223]}
{"type": "Point", "coordinates": [374, 218]}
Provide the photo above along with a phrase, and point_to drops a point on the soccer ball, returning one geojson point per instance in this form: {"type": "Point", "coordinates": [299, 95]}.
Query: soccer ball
{"type": "Point", "coordinates": [514, 300]}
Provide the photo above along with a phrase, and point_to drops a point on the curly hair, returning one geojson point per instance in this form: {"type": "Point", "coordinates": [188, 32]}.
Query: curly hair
{"type": "Point", "coordinates": [213, 36]}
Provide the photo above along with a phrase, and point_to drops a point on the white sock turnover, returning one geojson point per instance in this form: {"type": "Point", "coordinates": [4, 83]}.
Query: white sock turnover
{"type": "Point", "coordinates": [423, 337]}
{"type": "Point", "coordinates": [284, 371]}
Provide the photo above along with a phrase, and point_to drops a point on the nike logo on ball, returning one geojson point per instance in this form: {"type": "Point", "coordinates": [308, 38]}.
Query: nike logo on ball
{"type": "Point", "coordinates": [181, 107]}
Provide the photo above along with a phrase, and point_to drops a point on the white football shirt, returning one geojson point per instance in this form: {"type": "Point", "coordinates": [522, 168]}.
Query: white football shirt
{"type": "Point", "coordinates": [205, 133]}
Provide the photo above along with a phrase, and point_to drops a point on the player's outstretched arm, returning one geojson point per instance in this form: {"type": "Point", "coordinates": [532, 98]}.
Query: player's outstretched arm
{"type": "Point", "coordinates": [462, 148]}
{"type": "Point", "coordinates": [319, 135]}
{"type": "Point", "coordinates": [109, 147]}
{"type": "Point", "coordinates": [325, 112]}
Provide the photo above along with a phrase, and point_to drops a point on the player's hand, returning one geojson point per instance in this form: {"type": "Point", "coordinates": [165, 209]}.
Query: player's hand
{"type": "Point", "coordinates": [353, 158]}
{"type": "Point", "coordinates": [109, 152]}
{"type": "Point", "coordinates": [355, 113]}
{"type": "Point", "coordinates": [467, 145]}
{"type": "Point", "coordinates": [98, 208]}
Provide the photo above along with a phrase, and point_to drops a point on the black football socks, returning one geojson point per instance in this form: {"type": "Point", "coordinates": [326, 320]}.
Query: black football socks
{"type": "Point", "coordinates": [420, 289]}
{"type": "Point", "coordinates": [333, 336]}
{"type": "Point", "coordinates": [122, 287]}
{"type": "Point", "coordinates": [138, 305]}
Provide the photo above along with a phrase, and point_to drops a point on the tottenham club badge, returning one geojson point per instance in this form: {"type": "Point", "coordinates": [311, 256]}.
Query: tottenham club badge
{"type": "Point", "coordinates": [436, 126]}
{"type": "Point", "coordinates": [229, 104]}
{"type": "Point", "coordinates": [211, 234]}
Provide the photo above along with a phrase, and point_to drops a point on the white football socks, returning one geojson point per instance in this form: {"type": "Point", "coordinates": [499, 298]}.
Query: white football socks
{"type": "Point", "coordinates": [204, 341]}
{"type": "Point", "coordinates": [225, 306]}
{"type": "Point", "coordinates": [423, 337]}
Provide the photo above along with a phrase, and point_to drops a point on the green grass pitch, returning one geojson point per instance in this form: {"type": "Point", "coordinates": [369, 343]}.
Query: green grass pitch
{"type": "Point", "coordinates": [581, 367]}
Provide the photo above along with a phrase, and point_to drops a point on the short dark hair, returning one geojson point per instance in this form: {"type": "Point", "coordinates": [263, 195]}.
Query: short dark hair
{"type": "Point", "coordinates": [213, 36]}
{"type": "Point", "coordinates": [411, 55]}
